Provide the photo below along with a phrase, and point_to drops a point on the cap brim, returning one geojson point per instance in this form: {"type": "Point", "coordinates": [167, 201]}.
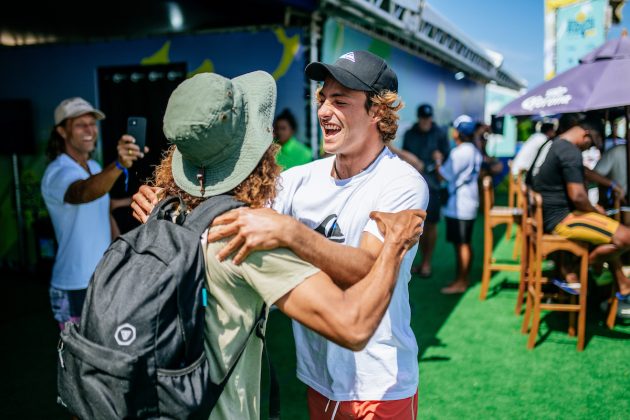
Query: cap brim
{"type": "Point", "coordinates": [320, 71]}
{"type": "Point", "coordinates": [259, 91]}
{"type": "Point", "coordinates": [98, 114]}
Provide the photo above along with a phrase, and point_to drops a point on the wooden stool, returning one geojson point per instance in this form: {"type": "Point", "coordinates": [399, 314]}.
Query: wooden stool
{"type": "Point", "coordinates": [540, 246]}
{"type": "Point", "coordinates": [494, 216]}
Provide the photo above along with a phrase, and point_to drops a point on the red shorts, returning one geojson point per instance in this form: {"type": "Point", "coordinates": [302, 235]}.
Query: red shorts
{"type": "Point", "coordinates": [321, 408]}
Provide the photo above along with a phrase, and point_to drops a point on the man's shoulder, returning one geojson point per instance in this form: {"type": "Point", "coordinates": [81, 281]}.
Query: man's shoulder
{"type": "Point", "coordinates": [60, 164]}
{"type": "Point", "coordinates": [564, 149]}
{"type": "Point", "coordinates": [396, 174]}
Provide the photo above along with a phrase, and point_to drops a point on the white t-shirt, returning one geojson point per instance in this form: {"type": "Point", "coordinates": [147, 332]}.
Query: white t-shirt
{"type": "Point", "coordinates": [387, 369]}
{"type": "Point", "coordinates": [525, 157]}
{"type": "Point", "coordinates": [83, 230]}
{"type": "Point", "coordinates": [461, 171]}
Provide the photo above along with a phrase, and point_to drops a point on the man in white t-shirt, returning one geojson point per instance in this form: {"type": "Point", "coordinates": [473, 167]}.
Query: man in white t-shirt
{"type": "Point", "coordinates": [325, 207]}
{"type": "Point", "coordinates": [329, 201]}
{"type": "Point", "coordinates": [525, 157]}
{"type": "Point", "coordinates": [75, 191]}
{"type": "Point", "coordinates": [461, 171]}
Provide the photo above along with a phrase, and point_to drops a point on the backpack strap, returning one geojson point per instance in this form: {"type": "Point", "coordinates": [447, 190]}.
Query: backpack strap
{"type": "Point", "coordinates": [529, 175]}
{"type": "Point", "coordinates": [198, 221]}
{"type": "Point", "coordinates": [201, 217]}
{"type": "Point", "coordinates": [274, 384]}
{"type": "Point", "coordinates": [258, 331]}
{"type": "Point", "coordinates": [165, 208]}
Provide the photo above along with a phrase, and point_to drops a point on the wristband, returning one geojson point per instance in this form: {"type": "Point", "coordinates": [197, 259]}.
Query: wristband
{"type": "Point", "coordinates": [613, 184]}
{"type": "Point", "coordinates": [125, 171]}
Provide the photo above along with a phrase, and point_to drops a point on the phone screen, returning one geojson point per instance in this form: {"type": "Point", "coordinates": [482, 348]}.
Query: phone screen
{"type": "Point", "coordinates": [137, 128]}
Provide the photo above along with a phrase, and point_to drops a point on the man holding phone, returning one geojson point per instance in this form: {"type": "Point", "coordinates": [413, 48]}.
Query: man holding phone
{"type": "Point", "coordinates": [75, 190]}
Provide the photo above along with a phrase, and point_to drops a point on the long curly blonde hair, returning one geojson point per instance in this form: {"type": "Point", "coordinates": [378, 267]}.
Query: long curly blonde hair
{"type": "Point", "coordinates": [257, 190]}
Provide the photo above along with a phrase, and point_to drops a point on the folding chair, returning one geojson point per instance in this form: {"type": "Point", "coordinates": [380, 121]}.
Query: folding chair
{"type": "Point", "coordinates": [542, 245]}
{"type": "Point", "coordinates": [494, 216]}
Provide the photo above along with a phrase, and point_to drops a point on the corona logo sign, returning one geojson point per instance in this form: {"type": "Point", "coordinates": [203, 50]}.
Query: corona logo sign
{"type": "Point", "coordinates": [553, 97]}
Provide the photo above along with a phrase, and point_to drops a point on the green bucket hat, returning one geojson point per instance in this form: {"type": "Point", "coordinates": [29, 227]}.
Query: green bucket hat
{"type": "Point", "coordinates": [221, 129]}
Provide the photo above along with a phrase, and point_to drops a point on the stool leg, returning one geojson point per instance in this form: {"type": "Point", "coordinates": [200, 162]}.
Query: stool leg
{"type": "Point", "coordinates": [487, 259]}
{"type": "Point", "coordinates": [522, 278]}
{"type": "Point", "coordinates": [517, 243]}
{"type": "Point", "coordinates": [612, 312]}
{"type": "Point", "coordinates": [533, 332]}
{"type": "Point", "coordinates": [572, 317]}
{"type": "Point", "coordinates": [613, 306]}
{"type": "Point", "coordinates": [583, 295]}
{"type": "Point", "coordinates": [528, 312]}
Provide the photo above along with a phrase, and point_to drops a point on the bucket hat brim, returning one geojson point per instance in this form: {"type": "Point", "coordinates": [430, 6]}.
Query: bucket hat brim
{"type": "Point", "coordinates": [259, 96]}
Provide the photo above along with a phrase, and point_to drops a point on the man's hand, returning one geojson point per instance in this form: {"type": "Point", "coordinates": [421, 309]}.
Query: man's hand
{"type": "Point", "coordinates": [253, 230]}
{"type": "Point", "coordinates": [618, 190]}
{"type": "Point", "coordinates": [128, 151]}
{"type": "Point", "coordinates": [143, 202]}
{"type": "Point", "coordinates": [404, 226]}
{"type": "Point", "coordinates": [437, 157]}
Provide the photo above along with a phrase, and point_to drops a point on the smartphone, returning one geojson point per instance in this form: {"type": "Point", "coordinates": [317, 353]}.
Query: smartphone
{"type": "Point", "coordinates": [137, 128]}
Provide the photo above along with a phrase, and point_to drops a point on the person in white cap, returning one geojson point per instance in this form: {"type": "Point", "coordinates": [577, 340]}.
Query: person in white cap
{"type": "Point", "coordinates": [461, 171]}
{"type": "Point", "coordinates": [75, 190]}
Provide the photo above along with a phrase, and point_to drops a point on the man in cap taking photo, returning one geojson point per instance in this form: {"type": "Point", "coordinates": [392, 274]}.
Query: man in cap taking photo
{"type": "Point", "coordinates": [75, 190]}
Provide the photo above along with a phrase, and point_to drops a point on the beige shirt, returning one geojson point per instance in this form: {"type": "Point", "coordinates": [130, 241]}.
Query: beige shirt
{"type": "Point", "coordinates": [235, 300]}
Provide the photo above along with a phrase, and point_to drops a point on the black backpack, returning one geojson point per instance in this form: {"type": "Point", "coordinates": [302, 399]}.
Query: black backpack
{"type": "Point", "coordinates": [138, 351]}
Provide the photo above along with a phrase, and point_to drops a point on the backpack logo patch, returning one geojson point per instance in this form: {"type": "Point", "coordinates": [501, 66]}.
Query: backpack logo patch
{"type": "Point", "coordinates": [125, 334]}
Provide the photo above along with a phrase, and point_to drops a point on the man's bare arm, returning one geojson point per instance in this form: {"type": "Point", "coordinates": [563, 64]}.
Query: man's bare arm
{"type": "Point", "coordinates": [578, 195]}
{"type": "Point", "coordinates": [259, 229]}
{"type": "Point", "coordinates": [601, 180]}
{"type": "Point", "coordinates": [408, 157]}
{"type": "Point", "coordinates": [98, 185]}
{"type": "Point", "coordinates": [350, 317]}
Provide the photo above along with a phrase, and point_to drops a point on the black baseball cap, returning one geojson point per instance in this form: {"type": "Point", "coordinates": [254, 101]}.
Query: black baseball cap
{"type": "Point", "coordinates": [357, 70]}
{"type": "Point", "coordinates": [425, 111]}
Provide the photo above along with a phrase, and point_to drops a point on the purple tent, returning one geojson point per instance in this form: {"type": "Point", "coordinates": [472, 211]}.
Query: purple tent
{"type": "Point", "coordinates": [601, 80]}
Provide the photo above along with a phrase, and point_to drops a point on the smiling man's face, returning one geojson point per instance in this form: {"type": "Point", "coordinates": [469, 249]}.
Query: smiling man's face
{"type": "Point", "coordinates": [80, 134]}
{"type": "Point", "coordinates": [343, 118]}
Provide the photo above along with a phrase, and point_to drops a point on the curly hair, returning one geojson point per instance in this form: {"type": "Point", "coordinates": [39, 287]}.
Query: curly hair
{"type": "Point", "coordinates": [257, 190]}
{"type": "Point", "coordinates": [388, 104]}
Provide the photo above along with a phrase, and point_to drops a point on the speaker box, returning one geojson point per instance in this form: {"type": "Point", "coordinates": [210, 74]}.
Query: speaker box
{"type": "Point", "coordinates": [16, 127]}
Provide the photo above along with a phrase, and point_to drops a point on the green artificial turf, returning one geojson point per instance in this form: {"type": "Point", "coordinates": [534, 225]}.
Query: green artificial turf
{"type": "Point", "coordinates": [473, 359]}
